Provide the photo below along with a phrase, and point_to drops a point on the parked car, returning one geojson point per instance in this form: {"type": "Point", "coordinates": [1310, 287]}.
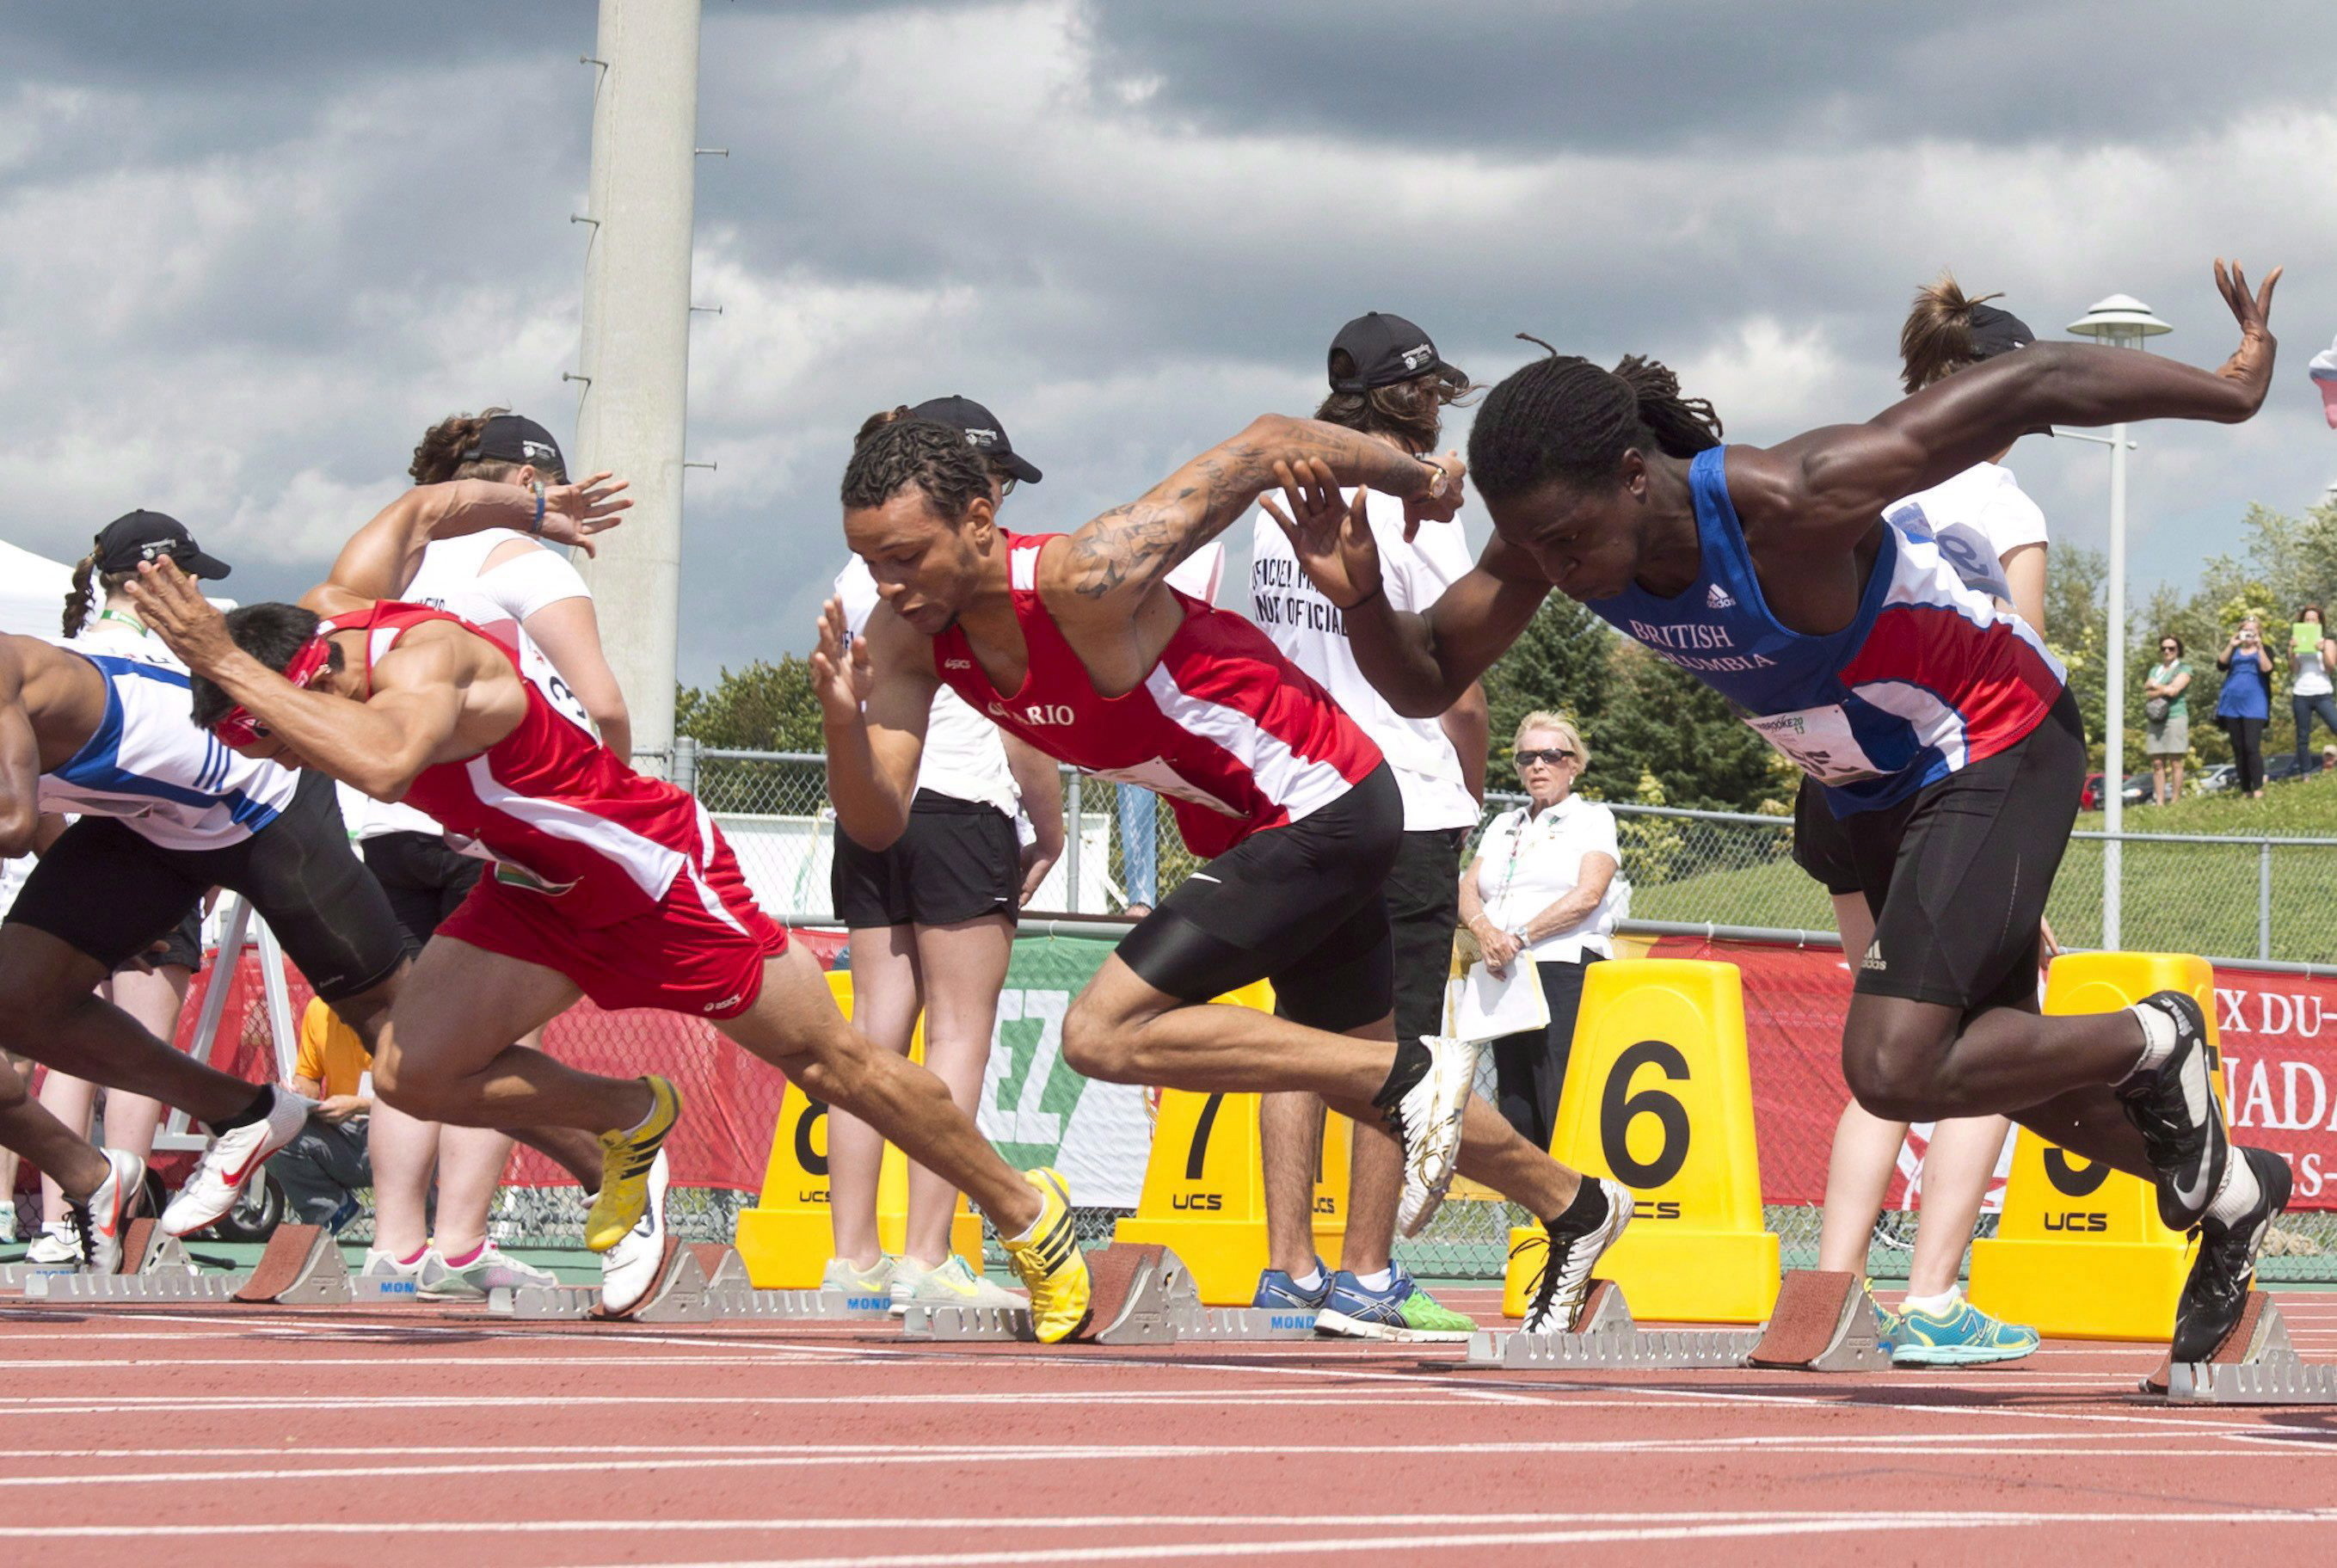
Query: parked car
{"type": "Point", "coordinates": [2090, 798]}
{"type": "Point", "coordinates": [2137, 790]}
{"type": "Point", "coordinates": [2281, 768]}
{"type": "Point", "coordinates": [2216, 779]}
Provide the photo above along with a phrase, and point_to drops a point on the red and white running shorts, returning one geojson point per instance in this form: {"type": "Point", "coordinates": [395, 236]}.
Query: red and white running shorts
{"type": "Point", "coordinates": [700, 951]}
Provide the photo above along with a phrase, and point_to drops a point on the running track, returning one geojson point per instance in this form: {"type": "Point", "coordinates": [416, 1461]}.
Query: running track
{"type": "Point", "coordinates": [213, 1434]}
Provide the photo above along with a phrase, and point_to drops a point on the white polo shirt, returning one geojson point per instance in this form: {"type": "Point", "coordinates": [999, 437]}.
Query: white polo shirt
{"type": "Point", "coordinates": [1312, 633]}
{"type": "Point", "coordinates": [1526, 864]}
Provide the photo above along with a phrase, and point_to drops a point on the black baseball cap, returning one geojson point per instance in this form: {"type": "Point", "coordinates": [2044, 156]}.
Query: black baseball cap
{"type": "Point", "coordinates": [515, 438]}
{"type": "Point", "coordinates": [140, 536]}
{"type": "Point", "coordinates": [1386, 350]}
{"type": "Point", "coordinates": [984, 433]}
{"type": "Point", "coordinates": [1995, 332]}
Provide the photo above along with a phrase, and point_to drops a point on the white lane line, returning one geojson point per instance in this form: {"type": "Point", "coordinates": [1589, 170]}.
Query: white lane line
{"type": "Point", "coordinates": [799, 1525]}
{"type": "Point", "coordinates": [888, 1456]}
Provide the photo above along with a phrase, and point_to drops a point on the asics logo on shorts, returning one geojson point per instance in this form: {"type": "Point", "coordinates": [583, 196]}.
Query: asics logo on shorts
{"type": "Point", "coordinates": [732, 1000]}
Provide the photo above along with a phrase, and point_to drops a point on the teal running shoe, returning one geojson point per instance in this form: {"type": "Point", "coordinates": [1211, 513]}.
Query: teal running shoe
{"type": "Point", "coordinates": [1963, 1335]}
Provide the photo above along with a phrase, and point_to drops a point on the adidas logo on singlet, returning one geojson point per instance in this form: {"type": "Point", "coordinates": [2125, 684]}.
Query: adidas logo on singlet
{"type": "Point", "coordinates": [1718, 598]}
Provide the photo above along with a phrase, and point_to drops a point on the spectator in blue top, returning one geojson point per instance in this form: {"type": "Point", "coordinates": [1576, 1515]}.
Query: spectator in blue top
{"type": "Point", "coordinates": [2245, 702]}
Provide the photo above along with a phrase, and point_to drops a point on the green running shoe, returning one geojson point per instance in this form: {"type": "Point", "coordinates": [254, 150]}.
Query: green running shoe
{"type": "Point", "coordinates": [1963, 1335]}
{"type": "Point", "coordinates": [1429, 1318]}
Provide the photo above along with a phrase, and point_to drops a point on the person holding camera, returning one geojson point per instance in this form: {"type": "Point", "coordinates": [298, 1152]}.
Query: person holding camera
{"type": "Point", "coordinates": [2244, 704]}
{"type": "Point", "coordinates": [2166, 720]}
{"type": "Point", "coordinates": [2312, 656]}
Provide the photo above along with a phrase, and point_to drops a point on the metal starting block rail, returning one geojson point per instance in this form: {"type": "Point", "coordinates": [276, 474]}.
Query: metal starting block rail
{"type": "Point", "coordinates": [699, 1283]}
{"type": "Point", "coordinates": [1822, 1323]}
{"type": "Point", "coordinates": [1140, 1295]}
{"type": "Point", "coordinates": [2256, 1364]}
{"type": "Point", "coordinates": [155, 1267]}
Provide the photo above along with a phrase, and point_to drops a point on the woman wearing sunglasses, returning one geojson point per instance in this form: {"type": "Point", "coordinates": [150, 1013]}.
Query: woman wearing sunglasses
{"type": "Point", "coordinates": [1544, 881]}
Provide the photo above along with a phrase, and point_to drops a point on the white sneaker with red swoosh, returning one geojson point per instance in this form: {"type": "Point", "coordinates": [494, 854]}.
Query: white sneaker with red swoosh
{"type": "Point", "coordinates": [234, 1157]}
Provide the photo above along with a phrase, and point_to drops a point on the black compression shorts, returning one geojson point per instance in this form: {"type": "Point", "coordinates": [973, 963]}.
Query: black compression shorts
{"type": "Point", "coordinates": [105, 891]}
{"type": "Point", "coordinates": [956, 860]}
{"type": "Point", "coordinates": [182, 945]}
{"type": "Point", "coordinates": [1957, 874]}
{"type": "Point", "coordinates": [422, 878]}
{"type": "Point", "coordinates": [1300, 906]}
{"type": "Point", "coordinates": [1821, 845]}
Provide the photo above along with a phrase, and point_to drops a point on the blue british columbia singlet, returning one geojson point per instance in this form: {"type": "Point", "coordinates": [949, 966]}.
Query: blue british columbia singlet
{"type": "Point", "coordinates": [1929, 677]}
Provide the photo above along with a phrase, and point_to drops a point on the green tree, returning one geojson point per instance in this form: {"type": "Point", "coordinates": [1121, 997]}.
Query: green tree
{"type": "Point", "coordinates": [762, 708]}
{"type": "Point", "coordinates": [1662, 724]}
{"type": "Point", "coordinates": [1563, 661]}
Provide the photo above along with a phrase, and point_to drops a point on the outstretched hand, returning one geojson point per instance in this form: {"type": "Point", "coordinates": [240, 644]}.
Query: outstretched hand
{"type": "Point", "coordinates": [174, 609]}
{"type": "Point", "coordinates": [572, 513]}
{"type": "Point", "coordinates": [1331, 537]}
{"type": "Point", "coordinates": [2250, 365]}
{"type": "Point", "coordinates": [841, 673]}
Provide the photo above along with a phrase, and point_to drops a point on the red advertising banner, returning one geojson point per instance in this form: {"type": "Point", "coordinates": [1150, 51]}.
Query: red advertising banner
{"type": "Point", "coordinates": [2278, 1034]}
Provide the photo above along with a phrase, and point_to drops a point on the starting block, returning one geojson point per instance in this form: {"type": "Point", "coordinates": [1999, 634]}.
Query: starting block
{"type": "Point", "coordinates": [1141, 1294]}
{"type": "Point", "coordinates": [301, 1266]}
{"type": "Point", "coordinates": [2256, 1364]}
{"type": "Point", "coordinates": [155, 1267]}
{"type": "Point", "coordinates": [700, 1282]}
{"type": "Point", "coordinates": [1822, 1323]}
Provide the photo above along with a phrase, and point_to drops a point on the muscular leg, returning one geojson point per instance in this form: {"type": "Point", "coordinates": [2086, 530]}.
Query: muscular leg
{"type": "Point", "coordinates": [885, 1002]}
{"type": "Point", "coordinates": [1907, 1060]}
{"type": "Point", "coordinates": [49, 1011]}
{"type": "Point", "coordinates": [55, 1150]}
{"type": "Point", "coordinates": [795, 1027]}
{"type": "Point", "coordinates": [1123, 1031]}
{"type": "Point", "coordinates": [447, 1057]}
{"type": "Point", "coordinates": [964, 966]}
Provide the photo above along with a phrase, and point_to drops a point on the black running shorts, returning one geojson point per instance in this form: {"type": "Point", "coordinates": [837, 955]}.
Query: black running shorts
{"type": "Point", "coordinates": [107, 892]}
{"type": "Point", "coordinates": [1822, 844]}
{"type": "Point", "coordinates": [423, 877]}
{"type": "Point", "coordinates": [1957, 874]}
{"type": "Point", "coordinates": [1300, 906]}
{"type": "Point", "coordinates": [182, 945]}
{"type": "Point", "coordinates": [956, 860]}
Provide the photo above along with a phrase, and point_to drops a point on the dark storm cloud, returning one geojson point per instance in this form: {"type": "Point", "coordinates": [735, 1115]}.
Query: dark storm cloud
{"type": "Point", "coordinates": [1495, 76]}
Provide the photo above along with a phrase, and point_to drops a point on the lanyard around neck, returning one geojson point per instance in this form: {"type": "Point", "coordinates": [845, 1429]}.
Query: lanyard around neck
{"type": "Point", "coordinates": [129, 621]}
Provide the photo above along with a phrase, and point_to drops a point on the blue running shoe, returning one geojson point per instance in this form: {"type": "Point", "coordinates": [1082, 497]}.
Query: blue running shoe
{"type": "Point", "coordinates": [1963, 1335]}
{"type": "Point", "coordinates": [1277, 1292]}
{"type": "Point", "coordinates": [1402, 1311]}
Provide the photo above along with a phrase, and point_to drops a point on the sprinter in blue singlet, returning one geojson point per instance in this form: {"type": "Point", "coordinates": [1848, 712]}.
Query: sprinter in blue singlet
{"type": "Point", "coordinates": [1943, 731]}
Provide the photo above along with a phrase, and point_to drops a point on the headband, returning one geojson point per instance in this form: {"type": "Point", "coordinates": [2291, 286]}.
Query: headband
{"type": "Point", "coordinates": [237, 727]}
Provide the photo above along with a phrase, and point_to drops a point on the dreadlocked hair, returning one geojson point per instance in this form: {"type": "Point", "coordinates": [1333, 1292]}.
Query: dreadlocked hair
{"type": "Point", "coordinates": [894, 450]}
{"type": "Point", "coordinates": [898, 412]}
{"type": "Point", "coordinates": [1563, 418]}
{"type": "Point", "coordinates": [1935, 341]}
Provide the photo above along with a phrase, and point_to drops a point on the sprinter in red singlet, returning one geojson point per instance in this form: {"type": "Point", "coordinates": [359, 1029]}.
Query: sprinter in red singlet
{"type": "Point", "coordinates": [1076, 644]}
{"type": "Point", "coordinates": [605, 883]}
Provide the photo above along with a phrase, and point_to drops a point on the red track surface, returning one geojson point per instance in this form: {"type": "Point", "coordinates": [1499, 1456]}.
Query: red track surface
{"type": "Point", "coordinates": [241, 1435]}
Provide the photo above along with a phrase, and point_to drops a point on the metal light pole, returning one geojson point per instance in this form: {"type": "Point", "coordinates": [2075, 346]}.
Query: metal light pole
{"type": "Point", "coordinates": [636, 341]}
{"type": "Point", "coordinates": [2120, 321]}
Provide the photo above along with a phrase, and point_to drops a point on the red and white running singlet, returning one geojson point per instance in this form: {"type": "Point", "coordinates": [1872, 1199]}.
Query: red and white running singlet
{"type": "Point", "coordinates": [557, 811]}
{"type": "Point", "coordinates": [1234, 734]}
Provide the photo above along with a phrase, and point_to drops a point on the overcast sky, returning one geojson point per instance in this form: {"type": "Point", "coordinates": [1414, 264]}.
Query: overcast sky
{"type": "Point", "coordinates": [251, 249]}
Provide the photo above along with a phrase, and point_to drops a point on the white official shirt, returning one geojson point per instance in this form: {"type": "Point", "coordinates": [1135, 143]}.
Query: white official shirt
{"type": "Point", "coordinates": [1528, 863]}
{"type": "Point", "coordinates": [496, 602]}
{"type": "Point", "coordinates": [1313, 634]}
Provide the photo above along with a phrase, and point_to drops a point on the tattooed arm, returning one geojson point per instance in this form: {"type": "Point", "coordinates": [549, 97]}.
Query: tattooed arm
{"type": "Point", "coordinates": [1114, 562]}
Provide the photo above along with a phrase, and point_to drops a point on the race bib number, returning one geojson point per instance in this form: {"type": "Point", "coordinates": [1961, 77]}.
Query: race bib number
{"type": "Point", "coordinates": [537, 668]}
{"type": "Point", "coordinates": [1156, 775]}
{"type": "Point", "coordinates": [1817, 740]}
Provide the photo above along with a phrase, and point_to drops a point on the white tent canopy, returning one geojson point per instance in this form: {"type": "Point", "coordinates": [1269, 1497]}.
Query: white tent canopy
{"type": "Point", "coordinates": [32, 592]}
